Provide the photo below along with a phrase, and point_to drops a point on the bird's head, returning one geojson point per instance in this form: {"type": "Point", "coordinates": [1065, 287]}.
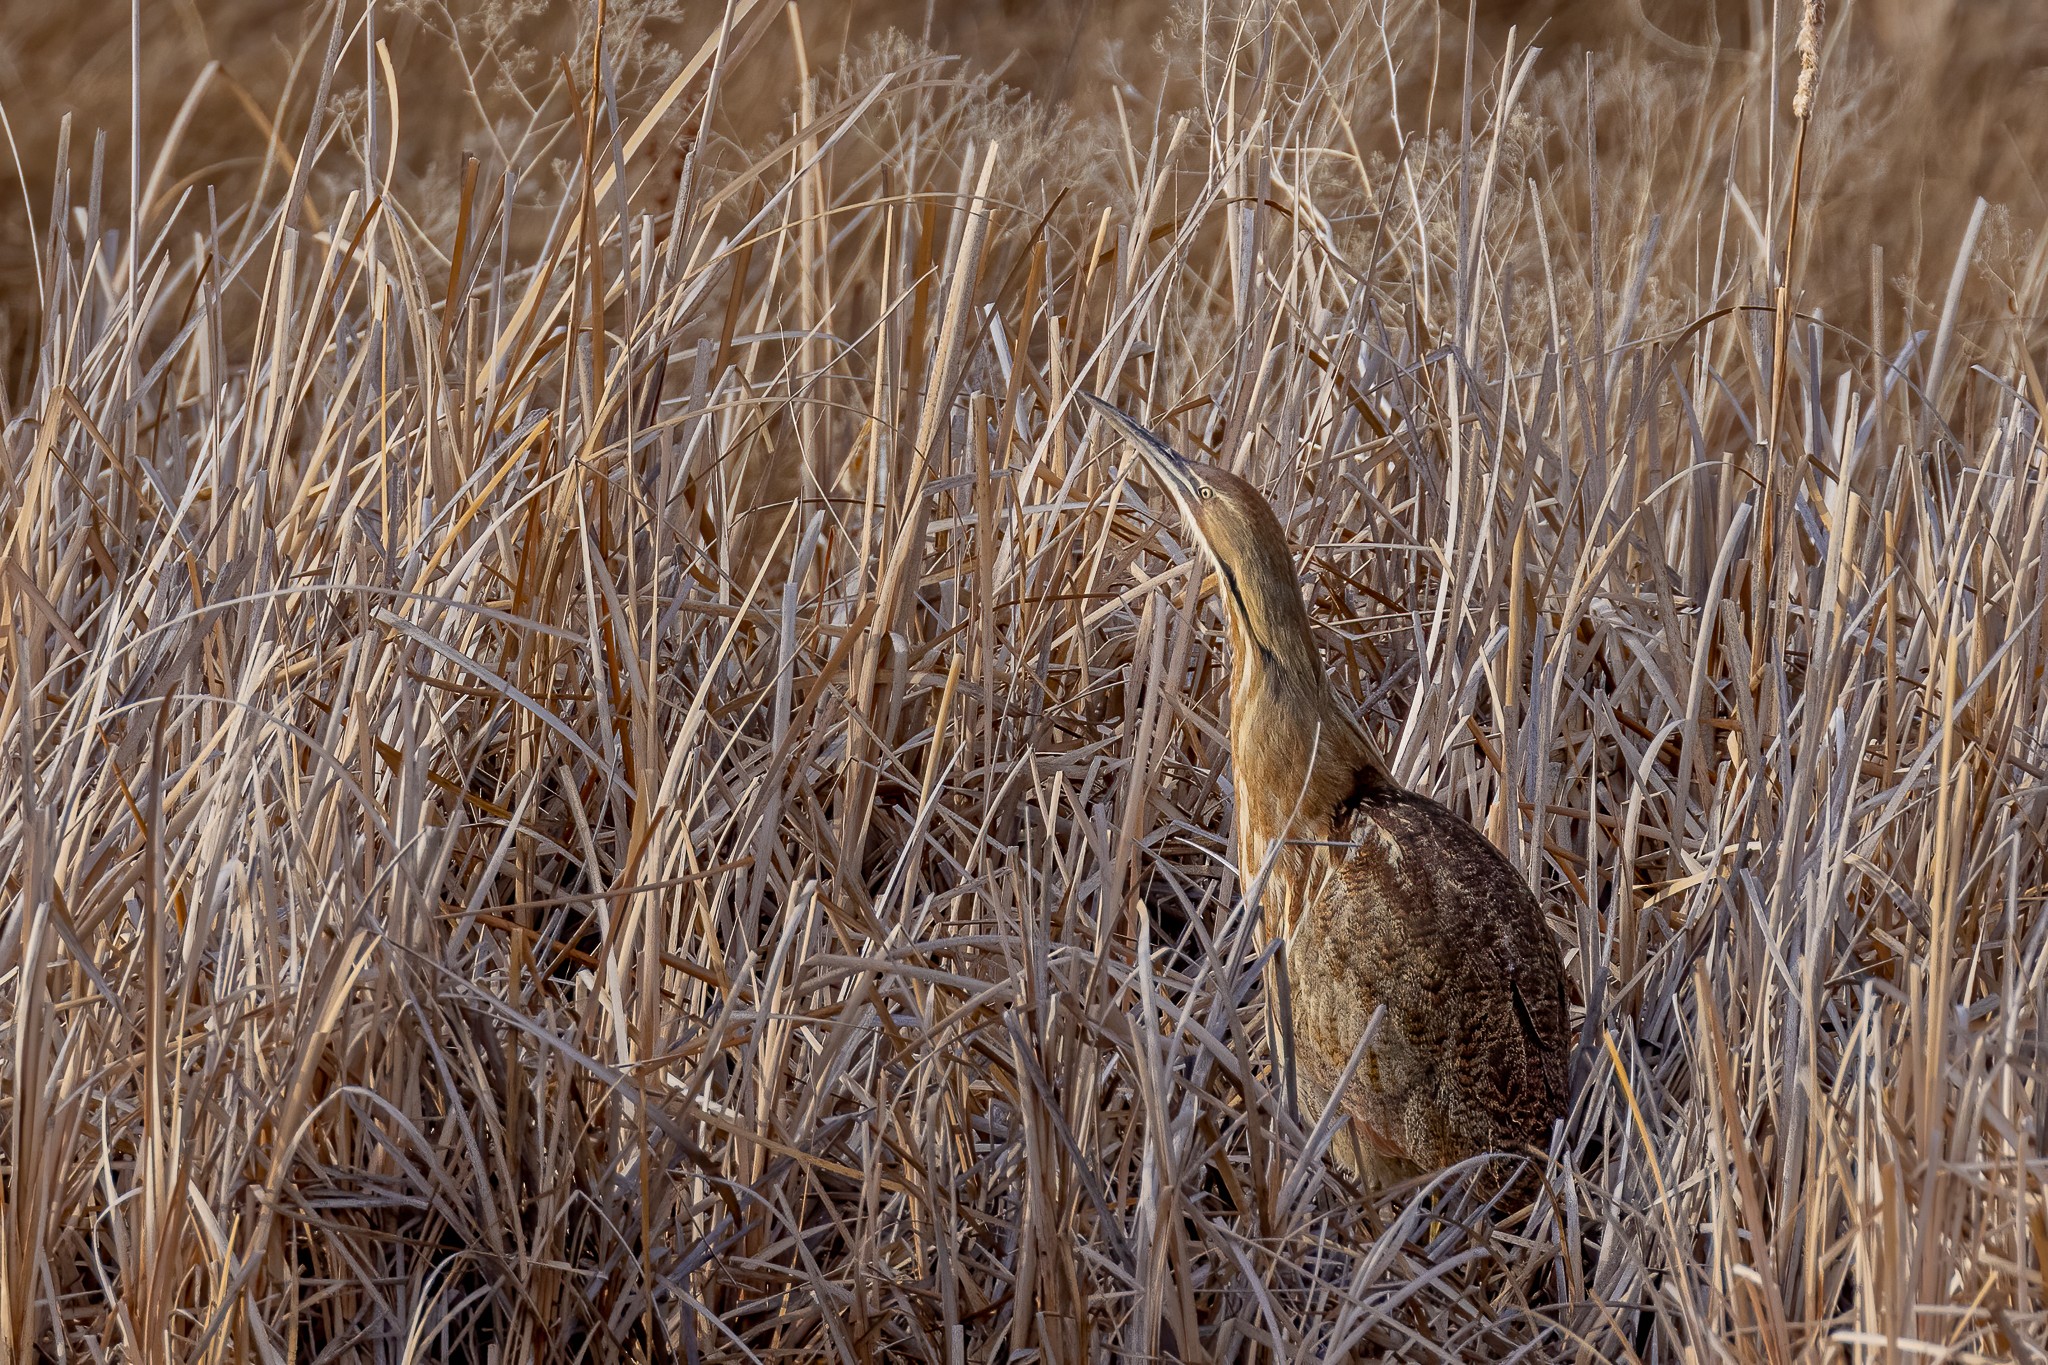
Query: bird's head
{"type": "Point", "coordinates": [1241, 536]}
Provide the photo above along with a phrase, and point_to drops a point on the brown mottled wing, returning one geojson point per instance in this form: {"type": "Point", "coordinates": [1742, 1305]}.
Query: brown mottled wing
{"type": "Point", "coordinates": [1423, 915]}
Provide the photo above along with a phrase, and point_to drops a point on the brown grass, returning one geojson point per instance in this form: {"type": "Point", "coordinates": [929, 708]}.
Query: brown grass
{"type": "Point", "coordinates": [594, 765]}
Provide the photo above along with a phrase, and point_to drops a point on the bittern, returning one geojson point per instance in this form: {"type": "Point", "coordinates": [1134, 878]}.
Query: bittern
{"type": "Point", "coordinates": [1385, 898]}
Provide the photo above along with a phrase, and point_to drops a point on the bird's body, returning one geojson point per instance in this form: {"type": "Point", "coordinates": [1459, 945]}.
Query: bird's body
{"type": "Point", "coordinates": [1386, 899]}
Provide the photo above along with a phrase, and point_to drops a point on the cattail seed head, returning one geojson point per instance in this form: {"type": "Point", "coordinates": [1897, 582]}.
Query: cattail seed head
{"type": "Point", "coordinates": [1811, 15]}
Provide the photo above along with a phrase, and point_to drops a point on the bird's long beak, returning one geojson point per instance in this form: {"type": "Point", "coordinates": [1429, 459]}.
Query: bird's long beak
{"type": "Point", "coordinates": [1173, 471]}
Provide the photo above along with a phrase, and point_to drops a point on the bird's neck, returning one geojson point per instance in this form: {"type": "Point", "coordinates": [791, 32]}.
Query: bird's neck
{"type": "Point", "coordinates": [1300, 756]}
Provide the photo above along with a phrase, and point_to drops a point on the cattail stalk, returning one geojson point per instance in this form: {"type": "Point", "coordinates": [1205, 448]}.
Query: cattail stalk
{"type": "Point", "coordinates": [1811, 16]}
{"type": "Point", "coordinates": [1810, 19]}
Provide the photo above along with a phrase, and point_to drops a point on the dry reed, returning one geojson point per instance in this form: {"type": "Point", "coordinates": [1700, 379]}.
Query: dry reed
{"type": "Point", "coordinates": [654, 798]}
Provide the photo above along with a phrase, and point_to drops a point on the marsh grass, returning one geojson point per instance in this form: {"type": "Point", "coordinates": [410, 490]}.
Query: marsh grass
{"type": "Point", "coordinates": [663, 797]}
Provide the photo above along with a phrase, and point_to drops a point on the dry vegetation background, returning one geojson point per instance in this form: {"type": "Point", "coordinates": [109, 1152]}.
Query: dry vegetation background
{"type": "Point", "coordinates": [594, 765]}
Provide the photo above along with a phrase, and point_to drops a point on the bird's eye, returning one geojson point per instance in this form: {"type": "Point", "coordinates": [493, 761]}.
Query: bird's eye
{"type": "Point", "coordinates": [1207, 492]}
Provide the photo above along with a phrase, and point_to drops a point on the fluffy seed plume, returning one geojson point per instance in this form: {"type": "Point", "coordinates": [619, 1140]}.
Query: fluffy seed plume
{"type": "Point", "coordinates": [1810, 20]}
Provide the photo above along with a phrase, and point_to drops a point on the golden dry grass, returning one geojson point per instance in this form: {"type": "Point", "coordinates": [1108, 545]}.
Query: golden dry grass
{"type": "Point", "coordinates": [595, 765]}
